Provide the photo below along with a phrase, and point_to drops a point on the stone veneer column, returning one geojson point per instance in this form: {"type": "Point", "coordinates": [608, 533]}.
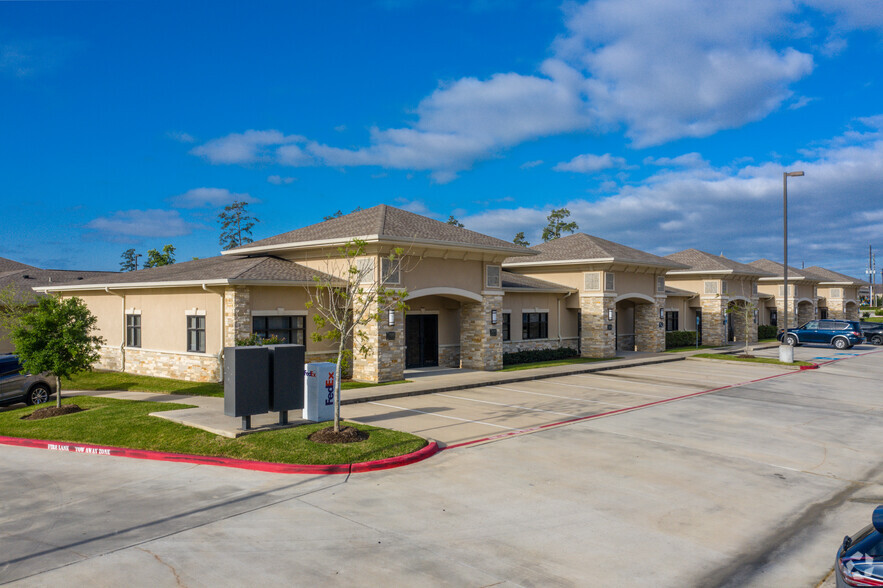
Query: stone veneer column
{"type": "Point", "coordinates": [597, 340]}
{"type": "Point", "coordinates": [479, 350]}
{"type": "Point", "coordinates": [805, 312]}
{"type": "Point", "coordinates": [738, 318]}
{"type": "Point", "coordinates": [851, 312]}
{"type": "Point", "coordinates": [385, 360]}
{"type": "Point", "coordinates": [649, 328]}
{"type": "Point", "coordinates": [713, 331]}
{"type": "Point", "coordinates": [792, 314]}
{"type": "Point", "coordinates": [237, 314]}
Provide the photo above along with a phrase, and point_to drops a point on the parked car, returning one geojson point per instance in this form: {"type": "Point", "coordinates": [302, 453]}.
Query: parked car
{"type": "Point", "coordinates": [18, 386]}
{"type": "Point", "coordinates": [839, 333]}
{"type": "Point", "coordinates": [860, 557]}
{"type": "Point", "coordinates": [873, 332]}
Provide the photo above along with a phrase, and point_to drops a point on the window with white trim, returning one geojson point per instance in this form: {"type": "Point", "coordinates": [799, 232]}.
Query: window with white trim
{"type": "Point", "coordinates": [609, 281]}
{"type": "Point", "coordinates": [660, 283]}
{"type": "Point", "coordinates": [592, 281]}
{"type": "Point", "coordinates": [196, 333]}
{"type": "Point", "coordinates": [133, 330]}
{"type": "Point", "coordinates": [723, 286]}
{"type": "Point", "coordinates": [365, 268]}
{"type": "Point", "coordinates": [389, 269]}
{"type": "Point", "coordinates": [710, 286]}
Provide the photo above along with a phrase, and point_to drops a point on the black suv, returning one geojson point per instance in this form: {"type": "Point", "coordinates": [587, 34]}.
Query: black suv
{"type": "Point", "coordinates": [873, 332]}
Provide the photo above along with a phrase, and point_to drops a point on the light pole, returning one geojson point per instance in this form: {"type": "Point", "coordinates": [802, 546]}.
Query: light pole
{"type": "Point", "coordinates": [786, 355]}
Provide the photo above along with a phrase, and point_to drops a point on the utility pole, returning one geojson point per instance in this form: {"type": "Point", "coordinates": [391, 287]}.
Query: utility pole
{"type": "Point", "coordinates": [872, 271]}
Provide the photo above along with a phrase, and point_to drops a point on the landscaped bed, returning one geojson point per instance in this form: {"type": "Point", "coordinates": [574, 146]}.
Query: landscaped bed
{"type": "Point", "coordinates": [731, 357]}
{"type": "Point", "coordinates": [127, 424]}
{"type": "Point", "coordinates": [102, 380]}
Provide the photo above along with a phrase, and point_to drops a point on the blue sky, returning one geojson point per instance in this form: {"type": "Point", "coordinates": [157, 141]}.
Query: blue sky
{"type": "Point", "coordinates": [660, 124]}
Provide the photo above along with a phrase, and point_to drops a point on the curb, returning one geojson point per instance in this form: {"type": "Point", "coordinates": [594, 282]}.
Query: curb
{"type": "Point", "coordinates": [245, 464]}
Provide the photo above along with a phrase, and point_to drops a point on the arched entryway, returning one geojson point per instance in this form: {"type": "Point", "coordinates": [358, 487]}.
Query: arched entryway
{"type": "Point", "coordinates": [851, 310]}
{"type": "Point", "coordinates": [432, 326]}
{"type": "Point", "coordinates": [637, 322]}
{"type": "Point", "coordinates": [740, 319]}
{"type": "Point", "coordinates": [806, 311]}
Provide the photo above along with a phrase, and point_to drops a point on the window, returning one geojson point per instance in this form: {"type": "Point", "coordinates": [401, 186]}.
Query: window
{"type": "Point", "coordinates": [671, 320]}
{"type": "Point", "coordinates": [660, 284]}
{"type": "Point", "coordinates": [609, 281]}
{"type": "Point", "coordinates": [389, 268]}
{"type": "Point", "coordinates": [289, 329]}
{"type": "Point", "coordinates": [493, 276]}
{"type": "Point", "coordinates": [723, 286]}
{"type": "Point", "coordinates": [836, 292]}
{"type": "Point", "coordinates": [133, 330]}
{"type": "Point", "coordinates": [535, 325]}
{"type": "Point", "coordinates": [196, 333]}
{"type": "Point", "coordinates": [507, 326]}
{"type": "Point", "coordinates": [592, 281]}
{"type": "Point", "coordinates": [365, 268]}
{"type": "Point", "coordinates": [710, 287]}
{"type": "Point", "coordinates": [774, 318]}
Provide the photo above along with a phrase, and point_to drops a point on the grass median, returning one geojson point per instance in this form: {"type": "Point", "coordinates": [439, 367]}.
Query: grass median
{"type": "Point", "coordinates": [127, 424]}
{"type": "Point", "coordinates": [728, 357]}
{"type": "Point", "coordinates": [552, 362]}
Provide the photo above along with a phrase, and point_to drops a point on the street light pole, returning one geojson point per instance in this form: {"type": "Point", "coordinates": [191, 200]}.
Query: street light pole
{"type": "Point", "coordinates": [786, 355]}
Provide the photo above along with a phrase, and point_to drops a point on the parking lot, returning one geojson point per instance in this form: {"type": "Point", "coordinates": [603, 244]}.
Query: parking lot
{"type": "Point", "coordinates": [489, 412]}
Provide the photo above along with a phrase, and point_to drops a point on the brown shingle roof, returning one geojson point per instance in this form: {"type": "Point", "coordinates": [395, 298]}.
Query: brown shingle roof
{"type": "Point", "coordinates": [516, 282]}
{"type": "Point", "coordinates": [827, 275]}
{"type": "Point", "coordinates": [223, 268]}
{"type": "Point", "coordinates": [23, 280]}
{"type": "Point", "coordinates": [387, 223]}
{"type": "Point", "coordinates": [700, 261]}
{"type": "Point", "coordinates": [776, 269]}
{"type": "Point", "coordinates": [9, 265]}
{"type": "Point", "coordinates": [672, 291]}
{"type": "Point", "coordinates": [582, 247]}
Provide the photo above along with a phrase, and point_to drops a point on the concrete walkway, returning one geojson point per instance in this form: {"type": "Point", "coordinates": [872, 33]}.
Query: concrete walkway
{"type": "Point", "coordinates": [209, 411]}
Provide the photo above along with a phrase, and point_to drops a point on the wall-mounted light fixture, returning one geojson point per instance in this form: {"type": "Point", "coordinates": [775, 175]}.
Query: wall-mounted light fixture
{"type": "Point", "coordinates": [609, 314]}
{"type": "Point", "coordinates": [391, 317]}
{"type": "Point", "coordinates": [494, 316]}
{"type": "Point", "coordinates": [662, 313]}
{"type": "Point", "coordinates": [755, 316]}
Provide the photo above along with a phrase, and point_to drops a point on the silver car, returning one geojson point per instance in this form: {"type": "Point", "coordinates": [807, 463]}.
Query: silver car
{"type": "Point", "coordinates": [16, 386]}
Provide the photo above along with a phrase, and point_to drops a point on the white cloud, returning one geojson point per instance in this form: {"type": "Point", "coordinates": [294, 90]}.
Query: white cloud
{"type": "Point", "coordinates": [181, 137]}
{"type": "Point", "coordinates": [832, 209]}
{"type": "Point", "coordinates": [208, 198]}
{"type": "Point", "coordinates": [682, 68]}
{"type": "Point", "coordinates": [279, 180]}
{"type": "Point", "coordinates": [250, 147]}
{"type": "Point", "coordinates": [531, 164]}
{"type": "Point", "coordinates": [692, 159]}
{"type": "Point", "coordinates": [590, 163]}
{"type": "Point", "coordinates": [143, 223]}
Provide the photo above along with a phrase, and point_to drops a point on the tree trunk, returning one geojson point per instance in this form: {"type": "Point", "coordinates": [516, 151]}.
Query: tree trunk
{"type": "Point", "coordinates": [57, 391]}
{"type": "Point", "coordinates": [337, 374]}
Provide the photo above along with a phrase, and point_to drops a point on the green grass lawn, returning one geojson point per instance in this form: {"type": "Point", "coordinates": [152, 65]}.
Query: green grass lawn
{"type": "Point", "coordinates": [125, 423]}
{"type": "Point", "coordinates": [100, 380]}
{"type": "Point", "coordinates": [553, 362]}
{"type": "Point", "coordinates": [729, 357]}
{"type": "Point", "coordinates": [873, 319]}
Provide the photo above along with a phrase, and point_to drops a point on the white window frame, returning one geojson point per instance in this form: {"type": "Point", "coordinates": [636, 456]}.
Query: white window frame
{"type": "Point", "coordinates": [487, 276]}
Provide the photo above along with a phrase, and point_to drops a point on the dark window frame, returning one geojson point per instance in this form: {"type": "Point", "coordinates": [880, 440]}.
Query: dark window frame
{"type": "Point", "coordinates": [507, 326]}
{"type": "Point", "coordinates": [534, 325]}
{"type": "Point", "coordinates": [196, 333]}
{"type": "Point", "coordinates": [133, 330]}
{"type": "Point", "coordinates": [295, 331]}
{"type": "Point", "coordinates": [671, 320]}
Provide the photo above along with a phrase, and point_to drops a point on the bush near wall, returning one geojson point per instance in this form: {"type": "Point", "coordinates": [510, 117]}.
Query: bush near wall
{"type": "Point", "coordinates": [879, 312]}
{"type": "Point", "coordinates": [767, 331]}
{"type": "Point", "coordinates": [679, 339]}
{"type": "Point", "coordinates": [535, 355]}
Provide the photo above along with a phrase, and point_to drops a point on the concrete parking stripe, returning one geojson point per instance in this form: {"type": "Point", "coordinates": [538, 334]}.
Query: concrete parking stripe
{"type": "Point", "coordinates": [559, 396]}
{"type": "Point", "coordinates": [507, 405]}
{"type": "Point", "coordinates": [612, 391]}
{"type": "Point", "coordinates": [444, 416]}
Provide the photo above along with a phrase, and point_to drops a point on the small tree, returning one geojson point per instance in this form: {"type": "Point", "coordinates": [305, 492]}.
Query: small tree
{"type": "Point", "coordinates": [557, 225]}
{"type": "Point", "coordinates": [129, 261]}
{"type": "Point", "coordinates": [56, 337]}
{"type": "Point", "coordinates": [744, 312]}
{"type": "Point", "coordinates": [236, 225]}
{"type": "Point", "coordinates": [351, 296]}
{"type": "Point", "coordinates": [156, 259]}
{"type": "Point", "coordinates": [337, 214]}
{"type": "Point", "coordinates": [453, 221]}
{"type": "Point", "coordinates": [520, 240]}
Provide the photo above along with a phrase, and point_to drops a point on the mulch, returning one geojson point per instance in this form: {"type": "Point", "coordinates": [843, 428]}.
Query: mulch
{"type": "Point", "coordinates": [345, 435]}
{"type": "Point", "coordinates": [51, 411]}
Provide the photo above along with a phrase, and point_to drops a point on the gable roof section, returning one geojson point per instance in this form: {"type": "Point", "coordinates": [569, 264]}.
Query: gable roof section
{"type": "Point", "coordinates": [777, 270]}
{"type": "Point", "coordinates": [583, 248]}
{"type": "Point", "coordinates": [381, 223]}
{"type": "Point", "coordinates": [23, 280]}
{"type": "Point", "coordinates": [699, 262]}
{"type": "Point", "coordinates": [827, 276]}
{"type": "Point", "coordinates": [513, 282]}
{"type": "Point", "coordinates": [212, 270]}
{"type": "Point", "coordinates": [9, 265]}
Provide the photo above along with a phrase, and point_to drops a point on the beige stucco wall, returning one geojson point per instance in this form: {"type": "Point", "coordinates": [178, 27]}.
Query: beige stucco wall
{"type": "Point", "coordinates": [164, 312]}
{"type": "Point", "coordinates": [108, 309]}
{"type": "Point", "coordinates": [440, 273]}
{"type": "Point", "coordinates": [290, 300]}
{"type": "Point", "coordinates": [562, 320]}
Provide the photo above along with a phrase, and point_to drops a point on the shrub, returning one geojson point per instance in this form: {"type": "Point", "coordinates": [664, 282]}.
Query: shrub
{"type": "Point", "coordinates": [535, 355]}
{"type": "Point", "coordinates": [254, 339]}
{"type": "Point", "coordinates": [866, 315]}
{"type": "Point", "coordinates": [679, 339]}
{"type": "Point", "coordinates": [879, 312]}
{"type": "Point", "coordinates": [767, 331]}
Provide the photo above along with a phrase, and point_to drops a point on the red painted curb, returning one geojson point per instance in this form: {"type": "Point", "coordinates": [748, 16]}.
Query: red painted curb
{"type": "Point", "coordinates": [261, 466]}
{"type": "Point", "coordinates": [814, 366]}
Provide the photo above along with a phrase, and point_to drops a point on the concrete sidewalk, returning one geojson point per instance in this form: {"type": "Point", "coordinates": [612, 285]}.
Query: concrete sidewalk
{"type": "Point", "coordinates": [209, 412]}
